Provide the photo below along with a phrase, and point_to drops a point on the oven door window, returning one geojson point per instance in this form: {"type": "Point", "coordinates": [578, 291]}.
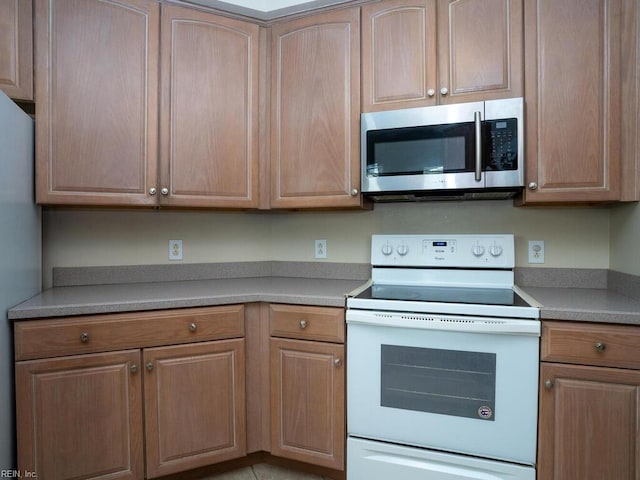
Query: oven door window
{"type": "Point", "coordinates": [425, 150]}
{"type": "Point", "coordinates": [447, 382]}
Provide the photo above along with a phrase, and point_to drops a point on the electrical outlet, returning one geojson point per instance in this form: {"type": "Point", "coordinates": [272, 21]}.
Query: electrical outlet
{"type": "Point", "coordinates": [175, 249]}
{"type": "Point", "coordinates": [321, 249]}
{"type": "Point", "coordinates": [536, 251]}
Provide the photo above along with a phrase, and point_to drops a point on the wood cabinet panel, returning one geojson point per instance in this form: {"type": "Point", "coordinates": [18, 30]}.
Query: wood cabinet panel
{"type": "Point", "coordinates": [589, 423]}
{"type": "Point", "coordinates": [315, 111]}
{"type": "Point", "coordinates": [64, 336]}
{"type": "Point", "coordinates": [307, 402]}
{"type": "Point", "coordinates": [480, 49]}
{"type": "Point", "coordinates": [398, 54]}
{"type": "Point", "coordinates": [307, 323]}
{"type": "Point", "coordinates": [591, 344]}
{"type": "Point", "coordinates": [64, 405]}
{"type": "Point", "coordinates": [195, 405]}
{"type": "Point", "coordinates": [16, 49]}
{"type": "Point", "coordinates": [209, 112]}
{"type": "Point", "coordinates": [424, 52]}
{"type": "Point", "coordinates": [96, 105]}
{"type": "Point", "coordinates": [573, 90]}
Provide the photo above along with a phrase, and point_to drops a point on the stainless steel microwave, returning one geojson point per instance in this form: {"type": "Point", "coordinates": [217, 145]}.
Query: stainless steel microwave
{"type": "Point", "coordinates": [465, 150]}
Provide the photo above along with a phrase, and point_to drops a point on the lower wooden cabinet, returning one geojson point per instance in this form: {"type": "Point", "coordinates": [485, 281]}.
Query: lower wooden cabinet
{"type": "Point", "coordinates": [81, 415]}
{"type": "Point", "coordinates": [308, 385]}
{"type": "Point", "coordinates": [589, 420]}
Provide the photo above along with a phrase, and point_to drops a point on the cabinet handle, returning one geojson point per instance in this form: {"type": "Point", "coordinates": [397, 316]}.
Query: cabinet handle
{"type": "Point", "coordinates": [84, 337]}
{"type": "Point", "coordinates": [532, 186]}
{"type": "Point", "coordinates": [134, 368]}
{"type": "Point", "coordinates": [548, 384]}
{"type": "Point", "coordinates": [354, 192]}
{"type": "Point", "coordinates": [164, 191]}
{"type": "Point", "coordinates": [431, 92]}
{"type": "Point", "coordinates": [337, 362]}
{"type": "Point", "coordinates": [152, 191]}
{"type": "Point", "coordinates": [444, 91]}
{"type": "Point", "coordinates": [600, 346]}
{"type": "Point", "coordinates": [193, 327]}
{"type": "Point", "coordinates": [149, 366]}
{"type": "Point", "coordinates": [303, 324]}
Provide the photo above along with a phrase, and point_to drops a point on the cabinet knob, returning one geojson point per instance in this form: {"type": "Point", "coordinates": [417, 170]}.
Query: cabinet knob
{"type": "Point", "coordinates": [532, 186]}
{"type": "Point", "coordinates": [149, 366]}
{"type": "Point", "coordinates": [303, 324]}
{"type": "Point", "coordinates": [599, 346]}
{"type": "Point", "coordinates": [84, 337]}
{"type": "Point", "coordinates": [444, 91]}
{"type": "Point", "coordinates": [337, 362]}
{"type": "Point", "coordinates": [152, 191]}
{"type": "Point", "coordinates": [431, 92]}
{"type": "Point", "coordinates": [193, 327]}
{"type": "Point", "coordinates": [134, 368]}
{"type": "Point", "coordinates": [164, 191]}
{"type": "Point", "coordinates": [354, 192]}
{"type": "Point", "coordinates": [548, 384]}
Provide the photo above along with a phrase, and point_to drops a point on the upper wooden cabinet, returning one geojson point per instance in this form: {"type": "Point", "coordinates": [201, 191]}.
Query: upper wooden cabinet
{"type": "Point", "coordinates": [315, 111]}
{"type": "Point", "coordinates": [576, 56]}
{"type": "Point", "coordinates": [97, 106]}
{"type": "Point", "coordinates": [209, 114]}
{"type": "Point", "coordinates": [422, 52]}
{"type": "Point", "coordinates": [96, 101]}
{"type": "Point", "coordinates": [16, 49]}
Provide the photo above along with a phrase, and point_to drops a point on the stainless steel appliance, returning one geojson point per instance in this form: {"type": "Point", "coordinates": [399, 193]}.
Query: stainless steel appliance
{"type": "Point", "coordinates": [20, 264]}
{"type": "Point", "coordinates": [442, 371]}
{"type": "Point", "coordinates": [466, 150]}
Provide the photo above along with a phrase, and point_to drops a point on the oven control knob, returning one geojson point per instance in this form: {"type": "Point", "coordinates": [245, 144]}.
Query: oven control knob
{"type": "Point", "coordinates": [495, 251]}
{"type": "Point", "coordinates": [477, 250]}
{"type": "Point", "coordinates": [387, 249]}
{"type": "Point", "coordinates": [402, 250]}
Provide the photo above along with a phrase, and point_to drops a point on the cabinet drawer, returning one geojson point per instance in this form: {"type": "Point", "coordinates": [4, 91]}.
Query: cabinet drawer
{"type": "Point", "coordinates": [591, 344]}
{"type": "Point", "coordinates": [100, 333]}
{"type": "Point", "coordinates": [307, 323]}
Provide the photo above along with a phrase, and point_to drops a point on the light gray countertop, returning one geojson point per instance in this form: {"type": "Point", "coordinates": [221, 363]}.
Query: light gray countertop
{"type": "Point", "coordinates": [90, 290]}
{"type": "Point", "coordinates": [90, 299]}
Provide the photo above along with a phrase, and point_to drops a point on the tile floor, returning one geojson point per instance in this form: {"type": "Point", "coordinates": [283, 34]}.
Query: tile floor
{"type": "Point", "coordinates": [264, 471]}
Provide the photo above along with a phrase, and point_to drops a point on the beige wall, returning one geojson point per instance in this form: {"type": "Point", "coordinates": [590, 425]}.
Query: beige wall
{"type": "Point", "coordinates": [625, 238]}
{"type": "Point", "coordinates": [576, 237]}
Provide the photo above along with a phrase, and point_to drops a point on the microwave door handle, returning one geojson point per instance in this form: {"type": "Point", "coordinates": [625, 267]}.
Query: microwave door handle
{"type": "Point", "coordinates": [478, 124]}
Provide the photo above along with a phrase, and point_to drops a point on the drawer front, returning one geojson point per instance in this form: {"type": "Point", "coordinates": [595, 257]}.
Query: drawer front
{"type": "Point", "coordinates": [591, 344]}
{"type": "Point", "coordinates": [324, 324]}
{"type": "Point", "coordinates": [100, 333]}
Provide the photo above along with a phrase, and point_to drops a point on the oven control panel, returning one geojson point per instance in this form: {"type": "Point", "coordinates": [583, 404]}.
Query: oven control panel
{"type": "Point", "coordinates": [455, 251]}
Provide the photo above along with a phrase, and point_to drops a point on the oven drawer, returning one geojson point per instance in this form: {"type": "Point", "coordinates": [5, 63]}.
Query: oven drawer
{"type": "Point", "coordinates": [325, 324]}
{"type": "Point", "coordinates": [121, 331]}
{"type": "Point", "coordinates": [591, 344]}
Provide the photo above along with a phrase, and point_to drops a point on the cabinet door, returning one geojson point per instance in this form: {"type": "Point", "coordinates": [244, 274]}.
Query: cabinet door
{"type": "Point", "coordinates": [315, 111]}
{"type": "Point", "coordinates": [81, 416]}
{"type": "Point", "coordinates": [209, 112]}
{"type": "Point", "coordinates": [307, 402]}
{"type": "Point", "coordinates": [398, 54]}
{"type": "Point", "coordinates": [573, 84]}
{"type": "Point", "coordinates": [194, 405]}
{"type": "Point", "coordinates": [589, 423]}
{"type": "Point", "coordinates": [96, 101]}
{"type": "Point", "coordinates": [479, 50]}
{"type": "Point", "coordinates": [16, 49]}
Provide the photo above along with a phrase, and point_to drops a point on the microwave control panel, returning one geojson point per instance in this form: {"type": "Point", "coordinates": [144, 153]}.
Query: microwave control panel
{"type": "Point", "coordinates": [502, 145]}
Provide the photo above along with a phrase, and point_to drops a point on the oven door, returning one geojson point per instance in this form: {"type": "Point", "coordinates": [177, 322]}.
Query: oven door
{"type": "Point", "coordinates": [454, 389]}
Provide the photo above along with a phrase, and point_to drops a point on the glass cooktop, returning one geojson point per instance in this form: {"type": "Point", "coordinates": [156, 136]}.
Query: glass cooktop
{"type": "Point", "coordinates": [420, 293]}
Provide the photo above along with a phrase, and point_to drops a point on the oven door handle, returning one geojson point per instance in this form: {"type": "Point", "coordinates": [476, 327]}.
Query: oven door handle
{"type": "Point", "coordinates": [478, 127]}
